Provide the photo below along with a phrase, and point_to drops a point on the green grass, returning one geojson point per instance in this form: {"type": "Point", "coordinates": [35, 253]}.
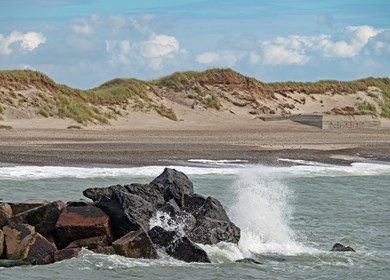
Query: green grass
{"type": "Point", "coordinates": [166, 112]}
{"type": "Point", "coordinates": [44, 111]}
{"type": "Point", "coordinates": [1, 109]}
{"type": "Point", "coordinates": [75, 108]}
{"type": "Point", "coordinates": [373, 95]}
{"type": "Point", "coordinates": [366, 107]}
{"type": "Point", "coordinates": [2, 126]}
{"type": "Point", "coordinates": [213, 102]}
{"type": "Point", "coordinates": [74, 127]}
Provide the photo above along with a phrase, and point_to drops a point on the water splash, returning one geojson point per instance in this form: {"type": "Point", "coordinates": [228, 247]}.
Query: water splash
{"type": "Point", "coordinates": [262, 211]}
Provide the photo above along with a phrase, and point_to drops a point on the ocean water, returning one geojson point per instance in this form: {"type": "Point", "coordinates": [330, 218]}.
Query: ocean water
{"type": "Point", "coordinates": [290, 217]}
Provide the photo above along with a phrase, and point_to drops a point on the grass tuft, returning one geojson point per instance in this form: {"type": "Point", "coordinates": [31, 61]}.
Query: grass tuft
{"type": "Point", "coordinates": [166, 112]}
{"type": "Point", "coordinates": [2, 126]}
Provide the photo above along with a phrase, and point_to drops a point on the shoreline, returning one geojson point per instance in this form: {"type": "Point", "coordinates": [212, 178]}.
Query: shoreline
{"type": "Point", "coordinates": [263, 144]}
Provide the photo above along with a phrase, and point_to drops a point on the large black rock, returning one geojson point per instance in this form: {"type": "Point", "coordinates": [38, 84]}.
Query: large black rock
{"type": "Point", "coordinates": [178, 247]}
{"type": "Point", "coordinates": [212, 223]}
{"type": "Point", "coordinates": [176, 185]}
{"type": "Point", "coordinates": [150, 192]}
{"type": "Point", "coordinates": [128, 212]}
{"type": "Point", "coordinates": [211, 231]}
{"type": "Point", "coordinates": [97, 193]}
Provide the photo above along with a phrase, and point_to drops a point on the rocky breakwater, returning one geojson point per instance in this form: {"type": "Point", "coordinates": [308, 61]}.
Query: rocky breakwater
{"type": "Point", "coordinates": [136, 221]}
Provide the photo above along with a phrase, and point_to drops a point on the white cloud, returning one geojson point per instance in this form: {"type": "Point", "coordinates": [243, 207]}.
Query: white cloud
{"type": "Point", "coordinates": [81, 26]}
{"type": "Point", "coordinates": [277, 55]}
{"type": "Point", "coordinates": [153, 53]}
{"type": "Point", "coordinates": [27, 41]}
{"type": "Point", "coordinates": [300, 49]}
{"type": "Point", "coordinates": [223, 58]}
{"type": "Point", "coordinates": [207, 58]}
{"type": "Point", "coordinates": [159, 46]}
{"type": "Point", "coordinates": [349, 42]}
{"type": "Point", "coordinates": [254, 58]}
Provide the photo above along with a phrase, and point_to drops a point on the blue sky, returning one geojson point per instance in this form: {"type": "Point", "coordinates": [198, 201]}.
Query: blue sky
{"type": "Point", "coordinates": [84, 43]}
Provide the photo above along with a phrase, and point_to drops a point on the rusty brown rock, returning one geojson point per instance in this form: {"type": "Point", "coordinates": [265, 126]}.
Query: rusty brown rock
{"type": "Point", "coordinates": [135, 244]}
{"type": "Point", "coordinates": [5, 213]}
{"type": "Point", "coordinates": [82, 222]}
{"type": "Point", "coordinates": [14, 236]}
{"type": "Point", "coordinates": [89, 243]}
{"type": "Point", "coordinates": [66, 254]}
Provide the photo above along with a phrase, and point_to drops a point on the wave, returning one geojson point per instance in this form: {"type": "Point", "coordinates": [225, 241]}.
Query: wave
{"type": "Point", "coordinates": [45, 172]}
{"type": "Point", "coordinates": [225, 167]}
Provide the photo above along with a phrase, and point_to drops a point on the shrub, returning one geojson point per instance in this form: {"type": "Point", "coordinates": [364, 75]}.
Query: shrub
{"type": "Point", "coordinates": [74, 127]}
{"type": "Point", "coordinates": [162, 110]}
{"type": "Point", "coordinates": [44, 111]}
{"type": "Point", "coordinates": [366, 106]}
{"type": "Point", "coordinates": [213, 102]}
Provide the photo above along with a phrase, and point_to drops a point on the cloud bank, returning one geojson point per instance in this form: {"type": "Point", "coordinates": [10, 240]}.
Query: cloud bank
{"type": "Point", "coordinates": [26, 42]}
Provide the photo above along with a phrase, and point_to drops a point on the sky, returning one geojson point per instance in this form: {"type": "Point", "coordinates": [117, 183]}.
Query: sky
{"type": "Point", "coordinates": [84, 43]}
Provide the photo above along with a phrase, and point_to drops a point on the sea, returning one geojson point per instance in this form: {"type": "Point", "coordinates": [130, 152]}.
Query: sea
{"type": "Point", "coordinates": [290, 215]}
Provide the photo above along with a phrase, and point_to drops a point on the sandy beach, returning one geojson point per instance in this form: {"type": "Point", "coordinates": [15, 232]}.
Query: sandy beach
{"type": "Point", "coordinates": [148, 141]}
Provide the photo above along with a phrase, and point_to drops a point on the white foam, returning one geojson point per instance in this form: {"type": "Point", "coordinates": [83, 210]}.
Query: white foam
{"type": "Point", "coordinates": [43, 172]}
{"type": "Point", "coordinates": [221, 162]}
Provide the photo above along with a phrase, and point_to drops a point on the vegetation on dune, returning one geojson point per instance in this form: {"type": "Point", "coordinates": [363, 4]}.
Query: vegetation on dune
{"type": "Point", "coordinates": [166, 112]}
{"type": "Point", "coordinates": [2, 126]}
{"type": "Point", "coordinates": [112, 98]}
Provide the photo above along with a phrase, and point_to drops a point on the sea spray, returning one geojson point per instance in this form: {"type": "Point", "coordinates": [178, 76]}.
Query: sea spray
{"type": "Point", "coordinates": [262, 211]}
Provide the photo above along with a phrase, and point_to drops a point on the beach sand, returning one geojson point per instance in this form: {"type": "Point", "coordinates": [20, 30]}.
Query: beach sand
{"type": "Point", "coordinates": [152, 140]}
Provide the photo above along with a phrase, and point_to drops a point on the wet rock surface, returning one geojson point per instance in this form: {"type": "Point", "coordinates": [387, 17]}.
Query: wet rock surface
{"type": "Point", "coordinates": [117, 221]}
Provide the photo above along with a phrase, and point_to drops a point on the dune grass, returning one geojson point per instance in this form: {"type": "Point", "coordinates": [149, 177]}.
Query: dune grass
{"type": "Point", "coordinates": [83, 105]}
{"type": "Point", "coordinates": [2, 126]}
{"type": "Point", "coordinates": [166, 112]}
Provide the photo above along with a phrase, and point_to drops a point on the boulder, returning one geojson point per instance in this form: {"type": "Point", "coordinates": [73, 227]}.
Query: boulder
{"type": "Point", "coordinates": [178, 247]}
{"type": "Point", "coordinates": [338, 247]}
{"type": "Point", "coordinates": [89, 243]}
{"type": "Point", "coordinates": [212, 223]}
{"type": "Point", "coordinates": [97, 193]}
{"type": "Point", "coordinates": [82, 222]}
{"type": "Point", "coordinates": [36, 249]}
{"type": "Point", "coordinates": [5, 213]}
{"type": "Point", "coordinates": [201, 207]}
{"type": "Point", "coordinates": [66, 254]}
{"type": "Point", "coordinates": [20, 207]}
{"type": "Point", "coordinates": [1, 244]}
{"type": "Point", "coordinates": [43, 218]}
{"type": "Point", "coordinates": [211, 231]}
{"type": "Point", "coordinates": [135, 244]}
{"type": "Point", "coordinates": [13, 236]}
{"type": "Point", "coordinates": [176, 185]}
{"type": "Point", "coordinates": [128, 212]}
{"type": "Point", "coordinates": [150, 192]}
{"type": "Point", "coordinates": [161, 237]}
